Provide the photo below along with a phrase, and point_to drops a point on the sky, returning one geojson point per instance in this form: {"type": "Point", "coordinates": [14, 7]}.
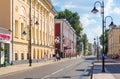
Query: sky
{"type": "Point", "coordinates": [92, 23]}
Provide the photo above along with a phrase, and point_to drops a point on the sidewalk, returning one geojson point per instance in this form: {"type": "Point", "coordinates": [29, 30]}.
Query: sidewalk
{"type": "Point", "coordinates": [20, 67]}
{"type": "Point", "coordinates": [97, 70]}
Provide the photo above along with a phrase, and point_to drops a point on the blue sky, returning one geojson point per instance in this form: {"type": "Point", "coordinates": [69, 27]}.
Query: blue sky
{"type": "Point", "coordinates": [91, 22]}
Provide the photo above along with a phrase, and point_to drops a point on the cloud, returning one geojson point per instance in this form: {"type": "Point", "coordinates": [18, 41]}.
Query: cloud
{"type": "Point", "coordinates": [85, 19]}
{"type": "Point", "coordinates": [93, 32]}
{"type": "Point", "coordinates": [91, 23]}
{"type": "Point", "coordinates": [108, 7]}
{"type": "Point", "coordinates": [69, 5]}
{"type": "Point", "coordinates": [90, 27]}
{"type": "Point", "coordinates": [116, 10]}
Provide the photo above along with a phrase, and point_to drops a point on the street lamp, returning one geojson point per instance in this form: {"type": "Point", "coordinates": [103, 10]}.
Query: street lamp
{"type": "Point", "coordinates": [103, 23]}
{"type": "Point", "coordinates": [94, 46]}
{"type": "Point", "coordinates": [111, 24]}
{"type": "Point", "coordinates": [30, 34]}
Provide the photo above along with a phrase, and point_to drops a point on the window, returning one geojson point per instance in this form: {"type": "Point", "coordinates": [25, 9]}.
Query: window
{"type": "Point", "coordinates": [27, 55]}
{"type": "Point", "coordinates": [37, 36]}
{"type": "Point", "coordinates": [34, 54]}
{"type": "Point", "coordinates": [22, 56]}
{"type": "Point", "coordinates": [16, 28]}
{"type": "Point", "coordinates": [16, 56]}
{"type": "Point", "coordinates": [22, 11]}
{"type": "Point", "coordinates": [41, 54]}
{"type": "Point", "coordinates": [33, 34]}
{"type": "Point", "coordinates": [22, 29]}
{"type": "Point", "coordinates": [38, 54]}
{"type": "Point", "coordinates": [40, 35]}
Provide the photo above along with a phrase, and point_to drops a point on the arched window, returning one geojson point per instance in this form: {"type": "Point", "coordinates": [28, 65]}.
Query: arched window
{"type": "Point", "coordinates": [22, 11]}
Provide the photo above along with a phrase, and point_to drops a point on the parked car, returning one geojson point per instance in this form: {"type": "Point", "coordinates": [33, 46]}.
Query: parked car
{"type": "Point", "coordinates": [115, 56]}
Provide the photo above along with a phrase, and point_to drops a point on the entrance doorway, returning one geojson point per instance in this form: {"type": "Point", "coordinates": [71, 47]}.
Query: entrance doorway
{"type": "Point", "coordinates": [6, 52]}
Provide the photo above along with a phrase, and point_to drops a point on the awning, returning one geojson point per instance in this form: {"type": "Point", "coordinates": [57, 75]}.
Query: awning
{"type": "Point", "coordinates": [4, 35]}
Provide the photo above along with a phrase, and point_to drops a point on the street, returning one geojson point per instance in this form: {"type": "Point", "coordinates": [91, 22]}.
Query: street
{"type": "Point", "coordinates": [72, 69]}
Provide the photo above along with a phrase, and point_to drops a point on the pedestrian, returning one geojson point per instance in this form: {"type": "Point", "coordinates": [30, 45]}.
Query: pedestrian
{"type": "Point", "coordinates": [45, 57]}
{"type": "Point", "coordinates": [57, 56]}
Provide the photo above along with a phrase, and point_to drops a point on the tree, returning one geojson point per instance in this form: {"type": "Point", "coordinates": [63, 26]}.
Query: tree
{"type": "Point", "coordinates": [84, 39]}
{"type": "Point", "coordinates": [90, 48]}
{"type": "Point", "coordinates": [105, 41]}
{"type": "Point", "coordinates": [74, 19]}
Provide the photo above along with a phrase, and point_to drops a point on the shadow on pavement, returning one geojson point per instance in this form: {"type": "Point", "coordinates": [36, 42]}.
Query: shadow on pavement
{"type": "Point", "coordinates": [89, 58]}
{"type": "Point", "coordinates": [113, 68]}
{"type": "Point", "coordinates": [62, 77]}
{"type": "Point", "coordinates": [79, 70]}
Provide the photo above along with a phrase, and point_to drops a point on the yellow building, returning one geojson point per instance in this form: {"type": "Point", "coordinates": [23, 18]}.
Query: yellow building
{"type": "Point", "coordinates": [114, 41]}
{"type": "Point", "coordinates": [42, 28]}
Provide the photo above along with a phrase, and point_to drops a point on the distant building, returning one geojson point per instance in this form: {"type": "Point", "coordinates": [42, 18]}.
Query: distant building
{"type": "Point", "coordinates": [66, 46]}
{"type": "Point", "coordinates": [114, 41]}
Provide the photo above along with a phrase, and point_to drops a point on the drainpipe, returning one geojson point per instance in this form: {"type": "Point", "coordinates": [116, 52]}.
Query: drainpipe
{"type": "Point", "coordinates": [62, 47]}
{"type": "Point", "coordinates": [12, 29]}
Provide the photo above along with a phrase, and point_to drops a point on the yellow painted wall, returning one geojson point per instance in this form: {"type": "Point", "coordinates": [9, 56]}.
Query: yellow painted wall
{"type": "Point", "coordinates": [42, 34]}
{"type": "Point", "coordinates": [114, 41]}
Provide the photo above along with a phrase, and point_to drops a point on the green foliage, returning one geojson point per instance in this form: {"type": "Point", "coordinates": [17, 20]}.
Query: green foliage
{"type": "Point", "coordinates": [105, 41]}
{"type": "Point", "coordinates": [73, 18]}
{"type": "Point", "coordinates": [90, 52]}
{"type": "Point", "coordinates": [84, 39]}
{"type": "Point", "coordinates": [1, 49]}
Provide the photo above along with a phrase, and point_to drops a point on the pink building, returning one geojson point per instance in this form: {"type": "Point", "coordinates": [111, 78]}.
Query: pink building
{"type": "Point", "coordinates": [65, 38]}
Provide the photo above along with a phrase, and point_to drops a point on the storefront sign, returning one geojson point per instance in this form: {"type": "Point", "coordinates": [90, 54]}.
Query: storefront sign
{"type": "Point", "coordinates": [4, 38]}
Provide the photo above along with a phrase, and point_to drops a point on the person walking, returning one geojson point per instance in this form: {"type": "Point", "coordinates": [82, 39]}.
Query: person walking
{"type": "Point", "coordinates": [57, 56]}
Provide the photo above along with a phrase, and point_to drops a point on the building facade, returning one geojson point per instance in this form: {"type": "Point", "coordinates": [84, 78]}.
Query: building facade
{"type": "Point", "coordinates": [114, 41]}
{"type": "Point", "coordinates": [66, 45]}
{"type": "Point", "coordinates": [4, 45]}
{"type": "Point", "coordinates": [16, 17]}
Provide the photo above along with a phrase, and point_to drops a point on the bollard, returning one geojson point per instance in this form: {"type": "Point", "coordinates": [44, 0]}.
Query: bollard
{"type": "Point", "coordinates": [92, 70]}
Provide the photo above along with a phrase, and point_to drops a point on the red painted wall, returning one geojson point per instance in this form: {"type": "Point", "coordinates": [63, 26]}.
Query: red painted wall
{"type": "Point", "coordinates": [57, 34]}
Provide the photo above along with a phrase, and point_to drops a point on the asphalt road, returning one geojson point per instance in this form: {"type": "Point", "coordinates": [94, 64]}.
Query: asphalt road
{"type": "Point", "coordinates": [70, 69]}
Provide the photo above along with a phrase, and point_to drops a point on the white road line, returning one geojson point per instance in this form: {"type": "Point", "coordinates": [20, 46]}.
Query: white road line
{"type": "Point", "coordinates": [68, 66]}
{"type": "Point", "coordinates": [57, 71]}
{"type": "Point", "coordinates": [45, 76]}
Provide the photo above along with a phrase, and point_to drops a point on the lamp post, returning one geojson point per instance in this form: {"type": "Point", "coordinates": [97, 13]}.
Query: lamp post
{"type": "Point", "coordinates": [102, 13]}
{"type": "Point", "coordinates": [94, 46]}
{"type": "Point", "coordinates": [111, 24]}
{"type": "Point", "coordinates": [30, 35]}
{"type": "Point", "coordinates": [12, 29]}
{"type": "Point", "coordinates": [97, 48]}
{"type": "Point", "coordinates": [94, 10]}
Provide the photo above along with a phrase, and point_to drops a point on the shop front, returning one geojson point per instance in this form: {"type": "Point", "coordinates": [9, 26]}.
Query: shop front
{"type": "Point", "coordinates": [4, 48]}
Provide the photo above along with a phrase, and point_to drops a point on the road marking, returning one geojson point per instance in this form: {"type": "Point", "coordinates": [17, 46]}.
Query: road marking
{"type": "Point", "coordinates": [82, 75]}
{"type": "Point", "coordinates": [60, 70]}
{"type": "Point", "coordinates": [45, 76]}
{"type": "Point", "coordinates": [57, 71]}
